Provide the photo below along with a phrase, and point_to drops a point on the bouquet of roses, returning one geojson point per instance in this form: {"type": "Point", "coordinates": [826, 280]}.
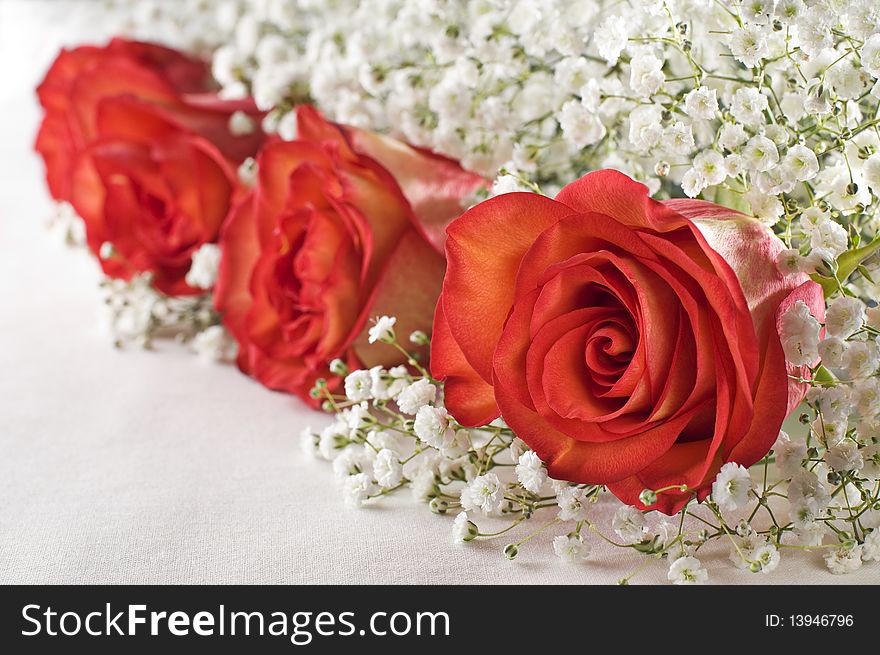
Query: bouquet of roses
{"type": "Point", "coordinates": [528, 254]}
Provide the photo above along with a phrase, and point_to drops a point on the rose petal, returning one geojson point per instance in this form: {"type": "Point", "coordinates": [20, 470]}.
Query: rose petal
{"type": "Point", "coordinates": [586, 462]}
{"type": "Point", "coordinates": [240, 250]}
{"type": "Point", "coordinates": [467, 396]}
{"type": "Point", "coordinates": [614, 194]}
{"type": "Point", "coordinates": [408, 288]}
{"type": "Point", "coordinates": [479, 289]}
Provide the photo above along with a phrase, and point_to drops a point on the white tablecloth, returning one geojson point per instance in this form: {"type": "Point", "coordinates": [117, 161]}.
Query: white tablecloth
{"type": "Point", "coordinates": [152, 467]}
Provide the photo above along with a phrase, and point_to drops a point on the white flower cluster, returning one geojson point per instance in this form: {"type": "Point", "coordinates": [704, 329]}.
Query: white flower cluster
{"type": "Point", "coordinates": [770, 105]}
{"type": "Point", "coordinates": [197, 26]}
{"type": "Point", "coordinates": [836, 472]}
{"type": "Point", "coordinates": [65, 222]}
{"type": "Point", "coordinates": [391, 431]}
{"type": "Point", "coordinates": [134, 312]}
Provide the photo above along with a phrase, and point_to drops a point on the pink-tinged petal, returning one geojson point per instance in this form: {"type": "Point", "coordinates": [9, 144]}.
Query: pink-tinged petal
{"type": "Point", "coordinates": [750, 249]}
{"type": "Point", "coordinates": [467, 396]}
{"type": "Point", "coordinates": [479, 289]}
{"type": "Point", "coordinates": [438, 188]}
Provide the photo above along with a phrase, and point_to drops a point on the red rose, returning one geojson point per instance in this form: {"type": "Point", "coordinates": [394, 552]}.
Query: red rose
{"type": "Point", "coordinates": [133, 139]}
{"type": "Point", "coordinates": [342, 225]}
{"type": "Point", "coordinates": [629, 342]}
{"type": "Point", "coordinates": [78, 79]}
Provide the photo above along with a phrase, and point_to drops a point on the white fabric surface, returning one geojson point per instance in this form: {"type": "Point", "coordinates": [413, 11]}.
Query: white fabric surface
{"type": "Point", "coordinates": [152, 467]}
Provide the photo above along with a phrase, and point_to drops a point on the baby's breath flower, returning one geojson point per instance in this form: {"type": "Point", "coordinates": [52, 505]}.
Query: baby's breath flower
{"type": "Point", "coordinates": [766, 556]}
{"type": "Point", "coordinates": [687, 570]}
{"type": "Point", "coordinates": [861, 359]}
{"type": "Point", "coordinates": [748, 106]}
{"type": "Point", "coordinates": [357, 489]}
{"type": "Point", "coordinates": [845, 559]}
{"type": "Point", "coordinates": [829, 237]}
{"type": "Point", "coordinates": [383, 330]}
{"type": "Point", "coordinates": [240, 124]}
{"type": "Point", "coordinates": [789, 261]}
{"type": "Point", "coordinates": [358, 385]}
{"type": "Point", "coordinates": [571, 548]}
{"type": "Point", "coordinates": [484, 493]}
{"type": "Point", "coordinates": [760, 153]}
{"type": "Point", "coordinates": [629, 524]}
{"type": "Point", "coordinates": [871, 547]}
{"type": "Point", "coordinates": [871, 458]}
{"type": "Point", "coordinates": [800, 334]}
{"type": "Point", "coordinates": [765, 207]}
{"type": "Point", "coordinates": [844, 316]}
{"type": "Point", "coordinates": [530, 472]}
{"type": "Point", "coordinates": [213, 344]}
{"type": "Point", "coordinates": [205, 262]}
{"type": "Point", "coordinates": [844, 456]}
{"type": "Point", "coordinates": [416, 395]}
{"type": "Point", "coordinates": [800, 163]}
{"type": "Point", "coordinates": [789, 453]}
{"type": "Point", "coordinates": [432, 426]}
{"type": "Point", "coordinates": [387, 469]}
{"type": "Point", "coordinates": [308, 442]}
{"type": "Point", "coordinates": [832, 350]}
{"type": "Point", "coordinates": [749, 44]}
{"type": "Point", "coordinates": [732, 486]}
{"type": "Point", "coordinates": [463, 529]}
{"type": "Point", "coordinates": [701, 103]}
{"type": "Point", "coordinates": [350, 461]}
{"type": "Point", "coordinates": [808, 497]}
{"type": "Point", "coordinates": [572, 504]}
{"type": "Point", "coordinates": [810, 533]}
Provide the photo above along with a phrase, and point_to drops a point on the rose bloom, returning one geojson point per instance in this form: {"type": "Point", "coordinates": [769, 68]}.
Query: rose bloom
{"type": "Point", "coordinates": [631, 343]}
{"type": "Point", "coordinates": [342, 226]}
{"type": "Point", "coordinates": [133, 137]}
